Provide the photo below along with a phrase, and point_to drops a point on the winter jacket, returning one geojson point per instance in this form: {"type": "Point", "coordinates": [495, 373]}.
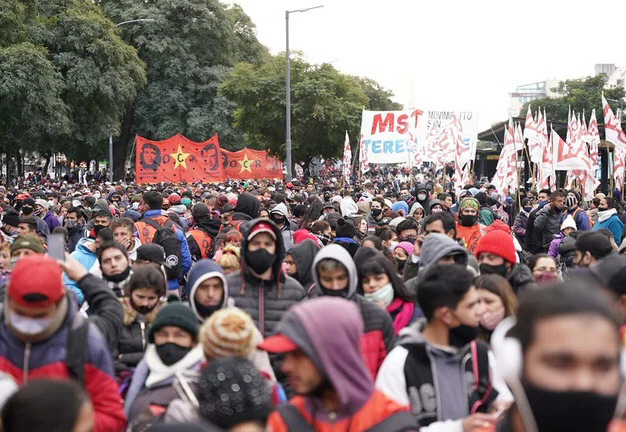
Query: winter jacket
{"type": "Point", "coordinates": [580, 217]}
{"type": "Point", "coordinates": [47, 359]}
{"type": "Point", "coordinates": [247, 207]}
{"type": "Point", "coordinates": [519, 226]}
{"type": "Point", "coordinates": [264, 300]}
{"type": "Point", "coordinates": [533, 240]}
{"type": "Point", "coordinates": [73, 237]}
{"type": "Point", "coordinates": [437, 382]}
{"type": "Point", "coordinates": [206, 230]}
{"type": "Point", "coordinates": [51, 220]}
{"type": "Point", "coordinates": [546, 226]}
{"type": "Point", "coordinates": [303, 255]}
{"type": "Point", "coordinates": [156, 215]}
{"type": "Point", "coordinates": [339, 358]}
{"type": "Point", "coordinates": [372, 224]}
{"type": "Point", "coordinates": [378, 337]}
{"type": "Point", "coordinates": [87, 259]}
{"type": "Point", "coordinates": [521, 278]}
{"type": "Point", "coordinates": [608, 219]}
{"type": "Point", "coordinates": [285, 230]}
{"type": "Point", "coordinates": [470, 236]}
{"type": "Point", "coordinates": [553, 250]}
{"type": "Point", "coordinates": [133, 338]}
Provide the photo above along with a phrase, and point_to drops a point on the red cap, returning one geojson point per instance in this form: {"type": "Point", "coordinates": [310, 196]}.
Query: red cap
{"type": "Point", "coordinates": [289, 185]}
{"type": "Point", "coordinates": [20, 197]}
{"type": "Point", "coordinates": [36, 282]}
{"type": "Point", "coordinates": [174, 199]}
{"type": "Point", "coordinates": [498, 243]}
{"type": "Point", "coordinates": [261, 227]}
{"type": "Point", "coordinates": [277, 344]}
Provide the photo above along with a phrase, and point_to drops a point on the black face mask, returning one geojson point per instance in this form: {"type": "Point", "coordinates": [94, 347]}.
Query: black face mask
{"type": "Point", "coordinates": [171, 353]}
{"type": "Point", "coordinates": [570, 411]}
{"type": "Point", "coordinates": [468, 220]}
{"type": "Point", "coordinates": [400, 263]}
{"type": "Point", "coordinates": [326, 240]}
{"type": "Point", "coordinates": [144, 310]}
{"type": "Point", "coordinates": [118, 277]}
{"type": "Point", "coordinates": [493, 269]}
{"type": "Point", "coordinates": [462, 335]}
{"type": "Point", "coordinates": [27, 210]}
{"type": "Point", "coordinates": [343, 293]}
{"type": "Point", "coordinates": [206, 311]}
{"type": "Point", "coordinates": [260, 260]}
{"type": "Point", "coordinates": [376, 212]}
{"type": "Point", "coordinates": [97, 228]}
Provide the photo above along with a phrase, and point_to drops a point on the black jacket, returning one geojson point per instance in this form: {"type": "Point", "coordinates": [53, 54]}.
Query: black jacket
{"type": "Point", "coordinates": [303, 254]}
{"type": "Point", "coordinates": [546, 226]}
{"type": "Point", "coordinates": [521, 278]}
{"type": "Point", "coordinates": [532, 242]}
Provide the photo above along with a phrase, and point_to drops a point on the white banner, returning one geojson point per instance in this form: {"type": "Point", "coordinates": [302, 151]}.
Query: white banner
{"type": "Point", "coordinates": [414, 136]}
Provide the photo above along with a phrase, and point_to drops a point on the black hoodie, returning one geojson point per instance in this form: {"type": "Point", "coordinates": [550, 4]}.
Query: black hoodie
{"type": "Point", "coordinates": [303, 254]}
{"type": "Point", "coordinates": [247, 208]}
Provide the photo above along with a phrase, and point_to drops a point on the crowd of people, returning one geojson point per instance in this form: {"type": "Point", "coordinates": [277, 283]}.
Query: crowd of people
{"type": "Point", "coordinates": [394, 304]}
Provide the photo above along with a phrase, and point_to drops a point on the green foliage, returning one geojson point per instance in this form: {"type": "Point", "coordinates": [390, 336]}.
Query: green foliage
{"type": "Point", "coordinates": [579, 94]}
{"type": "Point", "coordinates": [325, 103]}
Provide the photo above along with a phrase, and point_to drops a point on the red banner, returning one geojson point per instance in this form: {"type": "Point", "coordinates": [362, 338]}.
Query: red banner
{"type": "Point", "coordinates": [250, 164]}
{"type": "Point", "coordinates": [179, 159]}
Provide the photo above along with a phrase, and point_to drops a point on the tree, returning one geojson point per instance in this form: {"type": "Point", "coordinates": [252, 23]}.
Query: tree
{"type": "Point", "coordinates": [189, 51]}
{"type": "Point", "coordinates": [325, 104]}
{"type": "Point", "coordinates": [578, 94]}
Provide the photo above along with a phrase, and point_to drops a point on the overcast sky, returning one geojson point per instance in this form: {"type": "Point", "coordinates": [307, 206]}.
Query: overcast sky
{"type": "Point", "coordinates": [452, 54]}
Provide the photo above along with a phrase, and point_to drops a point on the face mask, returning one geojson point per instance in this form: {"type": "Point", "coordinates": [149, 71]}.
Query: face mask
{"type": "Point", "coordinates": [376, 212]}
{"type": "Point", "coordinates": [206, 311]}
{"type": "Point", "coordinates": [326, 240]}
{"type": "Point", "coordinates": [490, 320]}
{"type": "Point", "coordinates": [171, 353]}
{"type": "Point", "coordinates": [421, 197]}
{"type": "Point", "coordinates": [393, 245]}
{"type": "Point", "coordinates": [400, 263]}
{"type": "Point", "coordinates": [468, 220]}
{"type": "Point", "coordinates": [462, 335]}
{"type": "Point", "coordinates": [343, 293]}
{"type": "Point", "coordinates": [51, 203]}
{"type": "Point", "coordinates": [70, 224]}
{"type": "Point", "coordinates": [29, 326]}
{"type": "Point", "coordinates": [118, 277]}
{"type": "Point", "coordinates": [135, 205]}
{"type": "Point", "coordinates": [97, 228]}
{"type": "Point", "coordinates": [383, 295]}
{"type": "Point", "coordinates": [260, 260]}
{"type": "Point", "coordinates": [96, 195]}
{"type": "Point", "coordinates": [493, 269]}
{"type": "Point", "coordinates": [527, 209]}
{"type": "Point", "coordinates": [570, 411]}
{"type": "Point", "coordinates": [27, 210]}
{"type": "Point", "coordinates": [144, 310]}
{"type": "Point", "coordinates": [541, 202]}
{"type": "Point", "coordinates": [546, 277]}
{"type": "Point", "coordinates": [278, 220]}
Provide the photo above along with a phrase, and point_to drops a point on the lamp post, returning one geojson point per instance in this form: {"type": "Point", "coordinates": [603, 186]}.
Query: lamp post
{"type": "Point", "coordinates": [288, 91]}
{"type": "Point", "coordinates": [111, 136]}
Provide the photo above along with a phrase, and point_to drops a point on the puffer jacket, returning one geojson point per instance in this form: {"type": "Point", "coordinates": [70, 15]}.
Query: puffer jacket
{"type": "Point", "coordinates": [264, 300]}
{"type": "Point", "coordinates": [378, 336]}
{"type": "Point", "coordinates": [521, 278]}
{"type": "Point", "coordinates": [547, 225]}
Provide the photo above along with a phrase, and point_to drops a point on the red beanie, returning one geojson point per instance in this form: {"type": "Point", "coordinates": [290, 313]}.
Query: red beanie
{"type": "Point", "coordinates": [36, 282]}
{"type": "Point", "coordinates": [498, 225]}
{"type": "Point", "coordinates": [499, 243]}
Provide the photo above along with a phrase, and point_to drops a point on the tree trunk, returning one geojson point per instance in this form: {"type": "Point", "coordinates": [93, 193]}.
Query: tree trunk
{"type": "Point", "coordinates": [20, 164]}
{"type": "Point", "coordinates": [47, 164]}
{"type": "Point", "coordinates": [121, 144]}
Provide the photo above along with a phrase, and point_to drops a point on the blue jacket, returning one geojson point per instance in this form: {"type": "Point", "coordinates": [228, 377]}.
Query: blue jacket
{"type": "Point", "coordinates": [172, 284]}
{"type": "Point", "coordinates": [87, 259]}
{"type": "Point", "coordinates": [612, 223]}
{"type": "Point", "coordinates": [581, 218]}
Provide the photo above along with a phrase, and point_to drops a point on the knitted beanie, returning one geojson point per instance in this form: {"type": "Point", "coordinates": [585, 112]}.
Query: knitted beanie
{"type": "Point", "coordinates": [175, 314]}
{"type": "Point", "coordinates": [469, 202]}
{"type": "Point", "coordinates": [345, 228]}
{"type": "Point", "coordinates": [227, 332]}
{"type": "Point", "coordinates": [11, 218]}
{"type": "Point", "coordinates": [231, 391]}
{"type": "Point", "coordinates": [499, 243]}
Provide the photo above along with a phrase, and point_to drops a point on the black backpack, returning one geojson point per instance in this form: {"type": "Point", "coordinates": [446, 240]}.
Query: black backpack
{"type": "Point", "coordinates": [165, 236]}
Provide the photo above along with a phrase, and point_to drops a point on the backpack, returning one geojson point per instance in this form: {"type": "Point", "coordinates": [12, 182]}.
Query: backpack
{"type": "Point", "coordinates": [397, 422]}
{"type": "Point", "coordinates": [165, 236]}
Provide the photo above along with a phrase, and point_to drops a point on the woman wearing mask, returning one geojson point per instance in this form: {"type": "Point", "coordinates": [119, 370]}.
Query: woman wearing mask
{"type": "Point", "coordinates": [379, 282]}
{"type": "Point", "coordinates": [401, 253]}
{"type": "Point", "coordinates": [173, 352]}
{"type": "Point", "coordinates": [500, 302]}
{"type": "Point", "coordinates": [544, 268]}
{"type": "Point", "coordinates": [145, 288]}
{"type": "Point", "coordinates": [609, 219]}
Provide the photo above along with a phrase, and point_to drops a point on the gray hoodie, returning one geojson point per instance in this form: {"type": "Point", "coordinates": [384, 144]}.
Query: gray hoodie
{"type": "Point", "coordinates": [285, 230]}
{"type": "Point", "coordinates": [437, 246]}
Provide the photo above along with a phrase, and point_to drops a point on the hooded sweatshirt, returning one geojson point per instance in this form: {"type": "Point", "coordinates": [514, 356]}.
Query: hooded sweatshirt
{"type": "Point", "coordinates": [303, 254]}
{"type": "Point", "coordinates": [339, 359]}
{"type": "Point", "coordinates": [264, 300]}
{"type": "Point", "coordinates": [201, 271]}
{"type": "Point", "coordinates": [247, 207]}
{"type": "Point", "coordinates": [437, 246]}
{"type": "Point", "coordinates": [378, 335]}
{"type": "Point", "coordinates": [285, 230]}
{"type": "Point", "coordinates": [348, 207]}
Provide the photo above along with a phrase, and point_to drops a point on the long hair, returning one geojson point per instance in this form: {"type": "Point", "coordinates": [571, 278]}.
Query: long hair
{"type": "Point", "coordinates": [499, 286]}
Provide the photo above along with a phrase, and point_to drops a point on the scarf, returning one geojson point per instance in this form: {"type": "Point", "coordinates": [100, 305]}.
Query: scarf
{"type": "Point", "coordinates": [160, 372]}
{"type": "Point", "coordinates": [404, 315]}
{"type": "Point", "coordinates": [606, 214]}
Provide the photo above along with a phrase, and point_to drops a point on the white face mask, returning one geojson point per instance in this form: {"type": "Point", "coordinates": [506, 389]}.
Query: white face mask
{"type": "Point", "coordinates": [393, 245]}
{"type": "Point", "coordinates": [383, 295]}
{"type": "Point", "coordinates": [28, 326]}
{"type": "Point", "coordinates": [96, 195]}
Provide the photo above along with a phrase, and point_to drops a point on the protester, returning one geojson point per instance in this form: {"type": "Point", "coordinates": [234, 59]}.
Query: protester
{"type": "Point", "coordinates": [572, 208]}
{"type": "Point", "coordinates": [590, 248]}
{"type": "Point", "coordinates": [500, 302]}
{"type": "Point", "coordinates": [468, 228]}
{"type": "Point", "coordinates": [521, 220]}
{"type": "Point", "coordinates": [124, 232]}
{"type": "Point", "coordinates": [548, 222]}
{"type": "Point", "coordinates": [299, 263]}
{"type": "Point", "coordinates": [567, 228]}
{"type": "Point", "coordinates": [533, 242]}
{"type": "Point", "coordinates": [608, 218]}
{"type": "Point", "coordinates": [207, 289]}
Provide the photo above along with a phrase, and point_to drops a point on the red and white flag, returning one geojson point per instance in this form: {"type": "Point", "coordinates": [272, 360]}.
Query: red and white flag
{"type": "Point", "coordinates": [593, 138]}
{"type": "Point", "coordinates": [546, 173]}
{"type": "Point", "coordinates": [614, 133]}
{"type": "Point", "coordinates": [347, 159]}
{"type": "Point", "coordinates": [365, 166]}
{"type": "Point", "coordinates": [564, 155]}
{"type": "Point", "coordinates": [518, 137]}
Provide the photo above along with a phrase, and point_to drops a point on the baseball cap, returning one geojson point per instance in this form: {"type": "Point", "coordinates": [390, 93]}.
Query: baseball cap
{"type": "Point", "coordinates": [36, 282]}
{"type": "Point", "coordinates": [261, 227]}
{"type": "Point", "coordinates": [277, 343]}
{"type": "Point", "coordinates": [151, 252]}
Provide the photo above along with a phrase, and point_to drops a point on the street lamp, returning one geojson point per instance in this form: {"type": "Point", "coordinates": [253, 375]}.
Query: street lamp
{"type": "Point", "coordinates": [111, 136]}
{"type": "Point", "coordinates": [288, 91]}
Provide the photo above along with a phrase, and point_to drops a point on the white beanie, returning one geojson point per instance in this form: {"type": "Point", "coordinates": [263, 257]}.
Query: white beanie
{"type": "Point", "coordinates": [569, 222]}
{"type": "Point", "coordinates": [42, 203]}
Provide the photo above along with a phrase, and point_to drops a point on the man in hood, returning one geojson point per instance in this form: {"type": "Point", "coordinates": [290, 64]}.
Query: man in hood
{"type": "Point", "coordinates": [496, 255]}
{"type": "Point", "coordinates": [438, 368]}
{"type": "Point", "coordinates": [207, 288]}
{"type": "Point", "coordinates": [200, 237]}
{"type": "Point", "coordinates": [74, 223]}
{"type": "Point", "coordinates": [421, 193]}
{"type": "Point", "coordinates": [376, 214]}
{"type": "Point", "coordinates": [247, 207]}
{"type": "Point", "coordinates": [333, 384]}
{"type": "Point", "coordinates": [280, 216]}
{"type": "Point", "coordinates": [335, 275]}
{"type": "Point", "coordinates": [261, 288]}
{"type": "Point", "coordinates": [299, 263]}
{"type": "Point", "coordinates": [10, 222]}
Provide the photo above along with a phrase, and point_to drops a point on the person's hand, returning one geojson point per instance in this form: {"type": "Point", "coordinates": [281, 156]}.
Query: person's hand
{"type": "Point", "coordinates": [126, 243]}
{"type": "Point", "coordinates": [72, 268]}
{"type": "Point", "coordinates": [479, 422]}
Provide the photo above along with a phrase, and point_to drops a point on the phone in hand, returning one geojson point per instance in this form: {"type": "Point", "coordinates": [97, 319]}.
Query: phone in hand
{"type": "Point", "coordinates": [56, 246]}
